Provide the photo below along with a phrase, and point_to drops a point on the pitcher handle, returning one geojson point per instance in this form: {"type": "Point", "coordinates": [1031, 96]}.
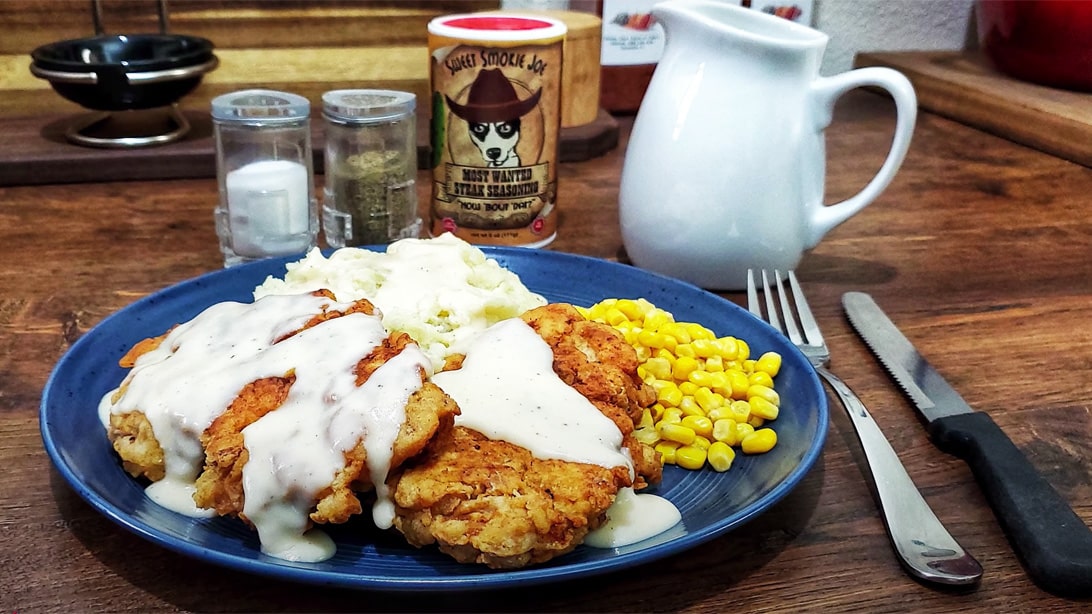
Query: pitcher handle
{"type": "Point", "coordinates": [827, 91]}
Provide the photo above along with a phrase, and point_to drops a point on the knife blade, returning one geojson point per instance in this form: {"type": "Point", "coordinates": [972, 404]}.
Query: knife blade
{"type": "Point", "coordinates": [1051, 541]}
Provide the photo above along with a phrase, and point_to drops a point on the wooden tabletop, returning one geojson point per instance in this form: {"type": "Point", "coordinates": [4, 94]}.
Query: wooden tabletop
{"type": "Point", "coordinates": [981, 251]}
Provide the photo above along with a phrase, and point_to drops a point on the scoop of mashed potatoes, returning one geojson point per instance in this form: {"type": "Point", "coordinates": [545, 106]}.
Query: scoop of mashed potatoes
{"type": "Point", "coordinates": [441, 291]}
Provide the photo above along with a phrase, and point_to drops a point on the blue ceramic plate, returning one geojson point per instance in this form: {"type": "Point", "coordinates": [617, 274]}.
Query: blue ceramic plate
{"type": "Point", "coordinates": [711, 503]}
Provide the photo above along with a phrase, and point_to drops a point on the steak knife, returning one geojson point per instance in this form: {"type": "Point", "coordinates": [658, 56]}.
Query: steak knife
{"type": "Point", "coordinates": [1052, 542]}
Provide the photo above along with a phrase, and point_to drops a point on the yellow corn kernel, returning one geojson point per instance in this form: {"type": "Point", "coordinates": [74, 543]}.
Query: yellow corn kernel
{"type": "Point", "coordinates": [756, 421]}
{"type": "Point", "coordinates": [690, 407]}
{"type": "Point", "coordinates": [614, 316]}
{"type": "Point", "coordinates": [763, 409]}
{"type": "Point", "coordinates": [656, 317]}
{"type": "Point", "coordinates": [684, 349]}
{"type": "Point", "coordinates": [760, 378]}
{"type": "Point", "coordinates": [677, 331]}
{"type": "Point", "coordinates": [672, 415]}
{"type": "Point", "coordinates": [743, 430]}
{"type": "Point", "coordinates": [646, 435]}
{"type": "Point", "coordinates": [676, 432]}
{"type": "Point", "coordinates": [699, 424]}
{"type": "Point", "coordinates": [656, 340]}
{"type": "Point", "coordinates": [646, 418]}
{"type": "Point", "coordinates": [657, 412]}
{"type": "Point", "coordinates": [765, 393]}
{"type": "Point", "coordinates": [667, 393]}
{"type": "Point", "coordinates": [714, 364]}
{"type": "Point", "coordinates": [688, 387]}
{"type": "Point", "coordinates": [743, 351]}
{"type": "Point", "coordinates": [630, 308]}
{"type": "Point", "coordinates": [748, 366]}
{"type": "Point", "coordinates": [739, 382]}
{"type": "Point", "coordinates": [690, 457]}
{"type": "Point", "coordinates": [758, 442]}
{"type": "Point", "coordinates": [704, 347]}
{"type": "Point", "coordinates": [718, 381]}
{"type": "Point", "coordinates": [719, 413]}
{"type": "Point", "coordinates": [697, 331]}
{"type": "Point", "coordinates": [724, 430]}
{"type": "Point", "coordinates": [684, 366]}
{"type": "Point", "coordinates": [701, 442]}
{"type": "Point", "coordinates": [667, 451]}
{"type": "Point", "coordinates": [708, 400]}
{"type": "Point", "coordinates": [740, 411]}
{"type": "Point", "coordinates": [769, 363]}
{"type": "Point", "coordinates": [701, 378]}
{"type": "Point", "coordinates": [584, 311]}
{"type": "Point", "coordinates": [663, 353]}
{"type": "Point", "coordinates": [727, 348]}
{"type": "Point", "coordinates": [720, 456]}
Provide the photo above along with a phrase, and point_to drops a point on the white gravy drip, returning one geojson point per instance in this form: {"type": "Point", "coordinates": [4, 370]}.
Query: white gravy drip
{"type": "Point", "coordinates": [296, 450]}
{"type": "Point", "coordinates": [199, 369]}
{"type": "Point", "coordinates": [507, 390]}
{"type": "Point", "coordinates": [632, 518]}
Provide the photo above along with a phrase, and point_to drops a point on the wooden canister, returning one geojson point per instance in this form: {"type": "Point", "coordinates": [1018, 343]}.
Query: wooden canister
{"type": "Point", "coordinates": [496, 84]}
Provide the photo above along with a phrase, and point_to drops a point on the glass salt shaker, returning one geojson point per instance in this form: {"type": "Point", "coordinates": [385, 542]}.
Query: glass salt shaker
{"type": "Point", "coordinates": [370, 196]}
{"type": "Point", "coordinates": [266, 175]}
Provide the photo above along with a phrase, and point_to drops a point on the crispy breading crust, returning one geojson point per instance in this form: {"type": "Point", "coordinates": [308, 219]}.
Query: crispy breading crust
{"type": "Point", "coordinates": [492, 502]}
{"type": "Point", "coordinates": [219, 486]}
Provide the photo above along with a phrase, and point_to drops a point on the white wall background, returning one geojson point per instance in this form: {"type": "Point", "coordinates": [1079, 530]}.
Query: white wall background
{"type": "Point", "coordinates": [892, 25]}
{"type": "Point", "coordinates": [870, 25]}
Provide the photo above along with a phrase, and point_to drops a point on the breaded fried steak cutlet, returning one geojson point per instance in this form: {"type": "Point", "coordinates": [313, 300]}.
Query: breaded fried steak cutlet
{"type": "Point", "coordinates": [277, 412]}
{"type": "Point", "coordinates": [541, 448]}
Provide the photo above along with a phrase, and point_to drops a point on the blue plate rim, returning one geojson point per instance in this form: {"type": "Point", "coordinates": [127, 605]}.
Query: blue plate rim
{"type": "Point", "coordinates": [356, 580]}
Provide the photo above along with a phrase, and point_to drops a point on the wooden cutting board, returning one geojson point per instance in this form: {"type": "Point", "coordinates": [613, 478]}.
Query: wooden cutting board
{"type": "Point", "coordinates": [35, 150]}
{"type": "Point", "coordinates": [964, 86]}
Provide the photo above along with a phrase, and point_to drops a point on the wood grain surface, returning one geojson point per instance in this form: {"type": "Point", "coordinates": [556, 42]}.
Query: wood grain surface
{"type": "Point", "coordinates": [964, 86]}
{"type": "Point", "coordinates": [980, 251]}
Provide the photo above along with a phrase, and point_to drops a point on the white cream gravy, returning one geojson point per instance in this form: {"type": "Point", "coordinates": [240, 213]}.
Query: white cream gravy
{"type": "Point", "coordinates": [632, 518]}
{"type": "Point", "coordinates": [295, 450]}
{"type": "Point", "coordinates": [507, 390]}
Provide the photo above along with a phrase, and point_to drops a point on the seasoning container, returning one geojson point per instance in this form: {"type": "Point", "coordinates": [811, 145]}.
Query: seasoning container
{"type": "Point", "coordinates": [632, 43]}
{"type": "Point", "coordinates": [370, 167]}
{"type": "Point", "coordinates": [496, 82]}
{"type": "Point", "coordinates": [264, 168]}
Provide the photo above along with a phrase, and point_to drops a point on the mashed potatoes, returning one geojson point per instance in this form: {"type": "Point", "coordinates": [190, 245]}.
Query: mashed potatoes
{"type": "Point", "coordinates": [441, 291]}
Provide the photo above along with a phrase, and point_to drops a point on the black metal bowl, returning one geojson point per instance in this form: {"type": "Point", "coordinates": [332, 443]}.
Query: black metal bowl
{"type": "Point", "coordinates": [126, 71]}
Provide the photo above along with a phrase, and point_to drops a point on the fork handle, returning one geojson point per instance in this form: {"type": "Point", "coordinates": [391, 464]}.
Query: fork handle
{"type": "Point", "coordinates": [924, 546]}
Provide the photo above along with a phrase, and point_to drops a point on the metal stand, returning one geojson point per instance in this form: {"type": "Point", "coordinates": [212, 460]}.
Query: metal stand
{"type": "Point", "coordinates": [76, 133]}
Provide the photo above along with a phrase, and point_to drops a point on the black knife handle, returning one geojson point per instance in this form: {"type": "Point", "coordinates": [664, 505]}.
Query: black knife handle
{"type": "Point", "coordinates": [1051, 541]}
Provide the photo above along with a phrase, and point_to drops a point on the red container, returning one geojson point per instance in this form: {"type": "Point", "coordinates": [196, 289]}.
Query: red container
{"type": "Point", "coordinates": [1048, 42]}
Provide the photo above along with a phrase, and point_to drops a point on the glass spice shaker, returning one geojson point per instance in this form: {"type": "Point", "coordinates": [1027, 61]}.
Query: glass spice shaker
{"type": "Point", "coordinates": [265, 170]}
{"type": "Point", "coordinates": [370, 196]}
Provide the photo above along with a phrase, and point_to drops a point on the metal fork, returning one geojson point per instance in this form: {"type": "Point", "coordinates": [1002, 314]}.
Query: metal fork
{"type": "Point", "coordinates": [922, 543]}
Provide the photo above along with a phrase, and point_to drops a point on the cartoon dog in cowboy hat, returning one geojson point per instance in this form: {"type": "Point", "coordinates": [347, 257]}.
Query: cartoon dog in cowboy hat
{"type": "Point", "coordinates": [493, 111]}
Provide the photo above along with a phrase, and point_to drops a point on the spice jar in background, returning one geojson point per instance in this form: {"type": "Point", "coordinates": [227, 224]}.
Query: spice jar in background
{"type": "Point", "coordinates": [370, 167]}
{"type": "Point", "coordinates": [264, 168]}
{"type": "Point", "coordinates": [495, 132]}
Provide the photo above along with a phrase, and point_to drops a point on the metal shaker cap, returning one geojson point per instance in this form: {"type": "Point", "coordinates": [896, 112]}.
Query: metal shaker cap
{"type": "Point", "coordinates": [367, 106]}
{"type": "Point", "coordinates": [260, 107]}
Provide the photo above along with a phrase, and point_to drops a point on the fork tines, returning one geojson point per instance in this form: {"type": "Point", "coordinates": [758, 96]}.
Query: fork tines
{"type": "Point", "coordinates": [783, 312]}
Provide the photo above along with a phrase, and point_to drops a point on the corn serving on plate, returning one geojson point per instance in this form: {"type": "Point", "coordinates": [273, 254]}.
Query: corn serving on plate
{"type": "Point", "coordinates": [711, 503]}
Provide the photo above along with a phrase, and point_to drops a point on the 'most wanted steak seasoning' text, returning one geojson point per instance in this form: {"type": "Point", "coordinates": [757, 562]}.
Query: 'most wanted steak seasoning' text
{"type": "Point", "coordinates": [496, 116]}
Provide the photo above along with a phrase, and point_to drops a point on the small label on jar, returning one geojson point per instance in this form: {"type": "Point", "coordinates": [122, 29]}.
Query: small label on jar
{"type": "Point", "coordinates": [496, 108]}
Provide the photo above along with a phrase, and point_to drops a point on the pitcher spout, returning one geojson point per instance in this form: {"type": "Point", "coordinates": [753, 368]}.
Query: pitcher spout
{"type": "Point", "coordinates": [727, 22]}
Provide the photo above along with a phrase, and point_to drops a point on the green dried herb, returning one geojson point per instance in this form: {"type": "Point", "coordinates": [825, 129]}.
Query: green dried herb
{"type": "Point", "coordinates": [377, 191]}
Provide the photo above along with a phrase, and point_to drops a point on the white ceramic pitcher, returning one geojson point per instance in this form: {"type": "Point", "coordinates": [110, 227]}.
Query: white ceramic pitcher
{"type": "Point", "coordinates": [726, 164]}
